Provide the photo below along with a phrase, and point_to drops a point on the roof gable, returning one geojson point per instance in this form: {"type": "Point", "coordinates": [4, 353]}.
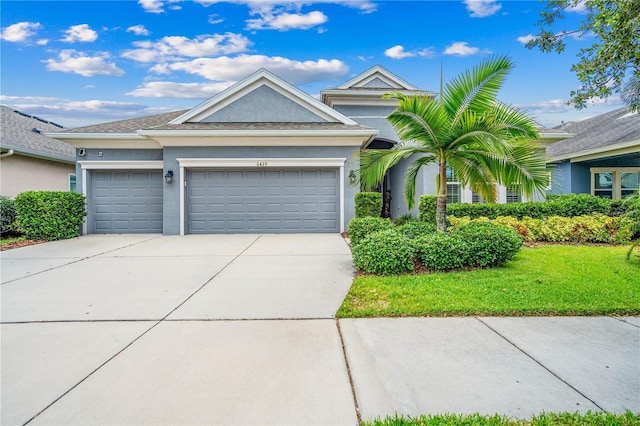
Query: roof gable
{"type": "Point", "coordinates": [377, 78]}
{"type": "Point", "coordinates": [262, 97]}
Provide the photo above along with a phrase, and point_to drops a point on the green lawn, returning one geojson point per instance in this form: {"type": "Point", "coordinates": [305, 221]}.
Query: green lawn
{"type": "Point", "coordinates": [543, 280]}
{"type": "Point", "coordinates": [546, 419]}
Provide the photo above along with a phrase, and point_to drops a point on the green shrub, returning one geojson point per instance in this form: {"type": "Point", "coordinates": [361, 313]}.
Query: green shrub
{"type": "Point", "coordinates": [360, 227]}
{"type": "Point", "coordinates": [368, 204]}
{"type": "Point", "coordinates": [427, 208]}
{"type": "Point", "coordinates": [7, 216]}
{"type": "Point", "coordinates": [413, 230]}
{"type": "Point", "coordinates": [569, 205]}
{"type": "Point", "coordinates": [50, 215]}
{"type": "Point", "coordinates": [404, 219]}
{"type": "Point", "coordinates": [488, 244]}
{"type": "Point", "coordinates": [441, 251]}
{"type": "Point", "coordinates": [385, 253]}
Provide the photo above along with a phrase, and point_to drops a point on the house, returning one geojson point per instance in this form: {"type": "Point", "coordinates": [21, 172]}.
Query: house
{"type": "Point", "coordinates": [30, 160]}
{"type": "Point", "coordinates": [602, 156]}
{"type": "Point", "coordinates": [259, 157]}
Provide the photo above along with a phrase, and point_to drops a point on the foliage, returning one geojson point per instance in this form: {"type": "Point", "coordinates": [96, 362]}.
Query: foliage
{"type": "Point", "coordinates": [542, 280]}
{"type": "Point", "coordinates": [611, 58]}
{"type": "Point", "coordinates": [569, 205]}
{"type": "Point", "coordinates": [442, 251]}
{"type": "Point", "coordinates": [590, 418]}
{"type": "Point", "coordinates": [385, 252]}
{"type": "Point", "coordinates": [427, 208]}
{"type": "Point", "coordinates": [360, 227]}
{"type": "Point", "coordinates": [50, 215]}
{"type": "Point", "coordinates": [482, 141]}
{"type": "Point", "coordinates": [415, 229]}
{"type": "Point", "coordinates": [405, 218]}
{"type": "Point", "coordinates": [631, 206]}
{"type": "Point", "coordinates": [7, 216]}
{"type": "Point", "coordinates": [368, 204]}
{"type": "Point", "coordinates": [488, 244]}
{"type": "Point", "coordinates": [596, 228]}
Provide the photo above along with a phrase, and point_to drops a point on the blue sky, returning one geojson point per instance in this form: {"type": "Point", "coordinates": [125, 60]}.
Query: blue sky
{"type": "Point", "coordinates": [86, 62]}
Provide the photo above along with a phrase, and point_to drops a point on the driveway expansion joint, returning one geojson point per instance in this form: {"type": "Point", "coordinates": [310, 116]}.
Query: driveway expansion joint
{"type": "Point", "coordinates": [348, 367]}
{"type": "Point", "coordinates": [541, 364]}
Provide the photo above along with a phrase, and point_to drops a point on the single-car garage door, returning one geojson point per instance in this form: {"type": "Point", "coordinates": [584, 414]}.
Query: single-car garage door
{"type": "Point", "coordinates": [125, 201]}
{"type": "Point", "coordinates": [263, 200]}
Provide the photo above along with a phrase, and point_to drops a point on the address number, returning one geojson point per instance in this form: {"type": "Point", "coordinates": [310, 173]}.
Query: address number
{"type": "Point", "coordinates": [262, 164]}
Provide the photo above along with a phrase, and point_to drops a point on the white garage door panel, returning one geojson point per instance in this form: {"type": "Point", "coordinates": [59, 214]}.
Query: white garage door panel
{"type": "Point", "coordinates": [126, 201]}
{"type": "Point", "coordinates": [256, 201]}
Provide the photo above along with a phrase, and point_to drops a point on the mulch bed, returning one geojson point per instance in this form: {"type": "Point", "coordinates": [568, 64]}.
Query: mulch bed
{"type": "Point", "coordinates": [20, 243]}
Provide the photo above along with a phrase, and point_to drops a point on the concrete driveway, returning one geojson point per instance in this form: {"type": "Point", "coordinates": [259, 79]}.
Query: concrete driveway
{"type": "Point", "coordinates": [240, 329]}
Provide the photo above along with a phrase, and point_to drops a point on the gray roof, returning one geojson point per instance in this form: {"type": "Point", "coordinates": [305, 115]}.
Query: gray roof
{"type": "Point", "coordinates": [598, 132]}
{"type": "Point", "coordinates": [25, 135]}
{"type": "Point", "coordinates": [132, 125]}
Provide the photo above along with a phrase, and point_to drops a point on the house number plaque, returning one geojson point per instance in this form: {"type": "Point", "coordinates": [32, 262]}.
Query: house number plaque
{"type": "Point", "coordinates": [262, 164]}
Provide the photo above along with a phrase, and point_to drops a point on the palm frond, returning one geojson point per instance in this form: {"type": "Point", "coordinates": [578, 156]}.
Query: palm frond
{"type": "Point", "coordinates": [374, 163]}
{"type": "Point", "coordinates": [412, 174]}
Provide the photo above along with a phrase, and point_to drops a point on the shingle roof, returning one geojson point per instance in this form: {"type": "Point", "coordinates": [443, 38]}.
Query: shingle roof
{"type": "Point", "coordinates": [130, 126]}
{"type": "Point", "coordinates": [19, 133]}
{"type": "Point", "coordinates": [598, 132]}
{"type": "Point", "coordinates": [261, 126]}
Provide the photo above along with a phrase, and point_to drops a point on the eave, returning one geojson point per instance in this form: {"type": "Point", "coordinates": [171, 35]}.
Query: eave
{"type": "Point", "coordinates": [622, 148]}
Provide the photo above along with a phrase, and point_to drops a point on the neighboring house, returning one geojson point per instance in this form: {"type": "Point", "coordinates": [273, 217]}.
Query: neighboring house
{"type": "Point", "coordinates": [602, 156]}
{"type": "Point", "coordinates": [261, 156]}
{"type": "Point", "coordinates": [30, 160]}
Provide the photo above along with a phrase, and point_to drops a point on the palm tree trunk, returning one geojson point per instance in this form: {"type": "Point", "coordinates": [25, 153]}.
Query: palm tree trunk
{"type": "Point", "coordinates": [441, 204]}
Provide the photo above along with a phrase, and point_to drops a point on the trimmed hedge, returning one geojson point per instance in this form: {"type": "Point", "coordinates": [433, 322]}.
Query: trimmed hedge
{"type": "Point", "coordinates": [570, 205]}
{"type": "Point", "coordinates": [596, 228]}
{"type": "Point", "coordinates": [7, 215]}
{"type": "Point", "coordinates": [385, 253]}
{"type": "Point", "coordinates": [360, 227]}
{"type": "Point", "coordinates": [50, 215]}
{"type": "Point", "coordinates": [442, 251]}
{"type": "Point", "coordinates": [413, 230]}
{"type": "Point", "coordinates": [427, 208]}
{"type": "Point", "coordinates": [368, 204]}
{"type": "Point", "coordinates": [488, 244]}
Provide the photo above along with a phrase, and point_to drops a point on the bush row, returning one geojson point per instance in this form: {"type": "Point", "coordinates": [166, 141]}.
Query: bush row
{"type": "Point", "coordinates": [7, 216]}
{"type": "Point", "coordinates": [569, 205]}
{"type": "Point", "coordinates": [380, 247]}
{"type": "Point", "coordinates": [595, 228]}
{"type": "Point", "coordinates": [368, 204]}
{"type": "Point", "coordinates": [49, 215]}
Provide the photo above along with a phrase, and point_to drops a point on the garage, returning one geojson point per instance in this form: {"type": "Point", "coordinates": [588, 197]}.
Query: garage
{"type": "Point", "coordinates": [125, 201]}
{"type": "Point", "coordinates": [254, 200]}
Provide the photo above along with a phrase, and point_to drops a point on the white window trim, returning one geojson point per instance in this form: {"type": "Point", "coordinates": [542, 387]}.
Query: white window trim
{"type": "Point", "coordinates": [112, 165]}
{"type": "Point", "coordinates": [616, 192]}
{"type": "Point", "coordinates": [69, 181]}
{"type": "Point", "coordinates": [260, 163]}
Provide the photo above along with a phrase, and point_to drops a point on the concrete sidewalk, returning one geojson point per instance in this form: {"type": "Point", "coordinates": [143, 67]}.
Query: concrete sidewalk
{"type": "Point", "coordinates": [239, 329]}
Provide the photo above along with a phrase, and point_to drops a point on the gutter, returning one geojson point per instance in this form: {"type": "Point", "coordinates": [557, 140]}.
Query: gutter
{"type": "Point", "coordinates": [36, 154]}
{"type": "Point", "coordinates": [7, 154]}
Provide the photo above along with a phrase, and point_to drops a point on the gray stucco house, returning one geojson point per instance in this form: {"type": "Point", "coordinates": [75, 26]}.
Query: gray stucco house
{"type": "Point", "coordinates": [260, 157]}
{"type": "Point", "coordinates": [30, 160]}
{"type": "Point", "coordinates": [600, 156]}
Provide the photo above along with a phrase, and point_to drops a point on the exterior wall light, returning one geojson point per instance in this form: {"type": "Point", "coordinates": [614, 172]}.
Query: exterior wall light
{"type": "Point", "coordinates": [352, 177]}
{"type": "Point", "coordinates": [169, 176]}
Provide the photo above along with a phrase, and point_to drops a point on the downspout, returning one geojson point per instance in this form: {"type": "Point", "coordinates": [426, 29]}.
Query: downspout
{"type": "Point", "coordinates": [7, 154]}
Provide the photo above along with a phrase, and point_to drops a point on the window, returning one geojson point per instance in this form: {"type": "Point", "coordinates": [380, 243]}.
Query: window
{"type": "Point", "coordinates": [453, 188]}
{"type": "Point", "coordinates": [614, 183]}
{"type": "Point", "coordinates": [72, 182]}
{"type": "Point", "coordinates": [476, 198]}
{"type": "Point", "coordinates": [514, 195]}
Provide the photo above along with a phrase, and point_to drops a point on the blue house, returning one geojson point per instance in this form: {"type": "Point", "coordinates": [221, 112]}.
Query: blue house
{"type": "Point", "coordinates": [600, 156]}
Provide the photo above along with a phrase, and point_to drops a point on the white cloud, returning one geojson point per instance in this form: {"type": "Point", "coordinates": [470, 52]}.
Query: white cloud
{"type": "Point", "coordinates": [482, 8]}
{"type": "Point", "coordinates": [579, 7]}
{"type": "Point", "coordinates": [526, 39]}
{"type": "Point", "coordinates": [26, 98]}
{"type": "Point", "coordinates": [226, 68]}
{"type": "Point", "coordinates": [138, 30]}
{"type": "Point", "coordinates": [80, 32]}
{"type": "Point", "coordinates": [398, 52]}
{"type": "Point", "coordinates": [157, 6]}
{"type": "Point", "coordinates": [214, 18]}
{"type": "Point", "coordinates": [71, 61]}
{"type": "Point", "coordinates": [169, 89]}
{"type": "Point", "coordinates": [462, 48]}
{"type": "Point", "coordinates": [42, 42]}
{"type": "Point", "coordinates": [178, 47]}
{"type": "Point", "coordinates": [287, 21]}
{"type": "Point", "coordinates": [365, 6]}
{"type": "Point", "coordinates": [20, 32]}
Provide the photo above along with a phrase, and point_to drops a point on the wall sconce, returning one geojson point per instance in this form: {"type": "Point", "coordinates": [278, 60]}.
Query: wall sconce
{"type": "Point", "coordinates": [352, 177]}
{"type": "Point", "coordinates": [169, 176]}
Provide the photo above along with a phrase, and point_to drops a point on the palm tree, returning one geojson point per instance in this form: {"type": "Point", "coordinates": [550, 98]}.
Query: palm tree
{"type": "Point", "coordinates": [481, 140]}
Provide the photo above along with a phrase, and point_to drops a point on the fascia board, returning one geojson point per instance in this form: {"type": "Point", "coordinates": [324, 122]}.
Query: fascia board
{"type": "Point", "coordinates": [628, 147]}
{"type": "Point", "coordinates": [373, 70]}
{"type": "Point", "coordinates": [40, 155]}
{"type": "Point", "coordinates": [256, 133]}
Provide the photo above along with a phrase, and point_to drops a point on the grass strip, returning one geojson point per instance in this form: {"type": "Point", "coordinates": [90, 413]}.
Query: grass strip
{"type": "Point", "coordinates": [545, 419]}
{"type": "Point", "coordinates": [542, 280]}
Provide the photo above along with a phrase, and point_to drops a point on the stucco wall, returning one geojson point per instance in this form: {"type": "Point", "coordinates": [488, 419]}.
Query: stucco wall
{"type": "Point", "coordinates": [19, 173]}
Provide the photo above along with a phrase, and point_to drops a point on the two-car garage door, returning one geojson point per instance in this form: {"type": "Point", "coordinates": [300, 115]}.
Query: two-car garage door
{"type": "Point", "coordinates": [262, 200]}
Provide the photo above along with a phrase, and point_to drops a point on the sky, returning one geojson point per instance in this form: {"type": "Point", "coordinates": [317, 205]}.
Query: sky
{"type": "Point", "coordinates": [82, 62]}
